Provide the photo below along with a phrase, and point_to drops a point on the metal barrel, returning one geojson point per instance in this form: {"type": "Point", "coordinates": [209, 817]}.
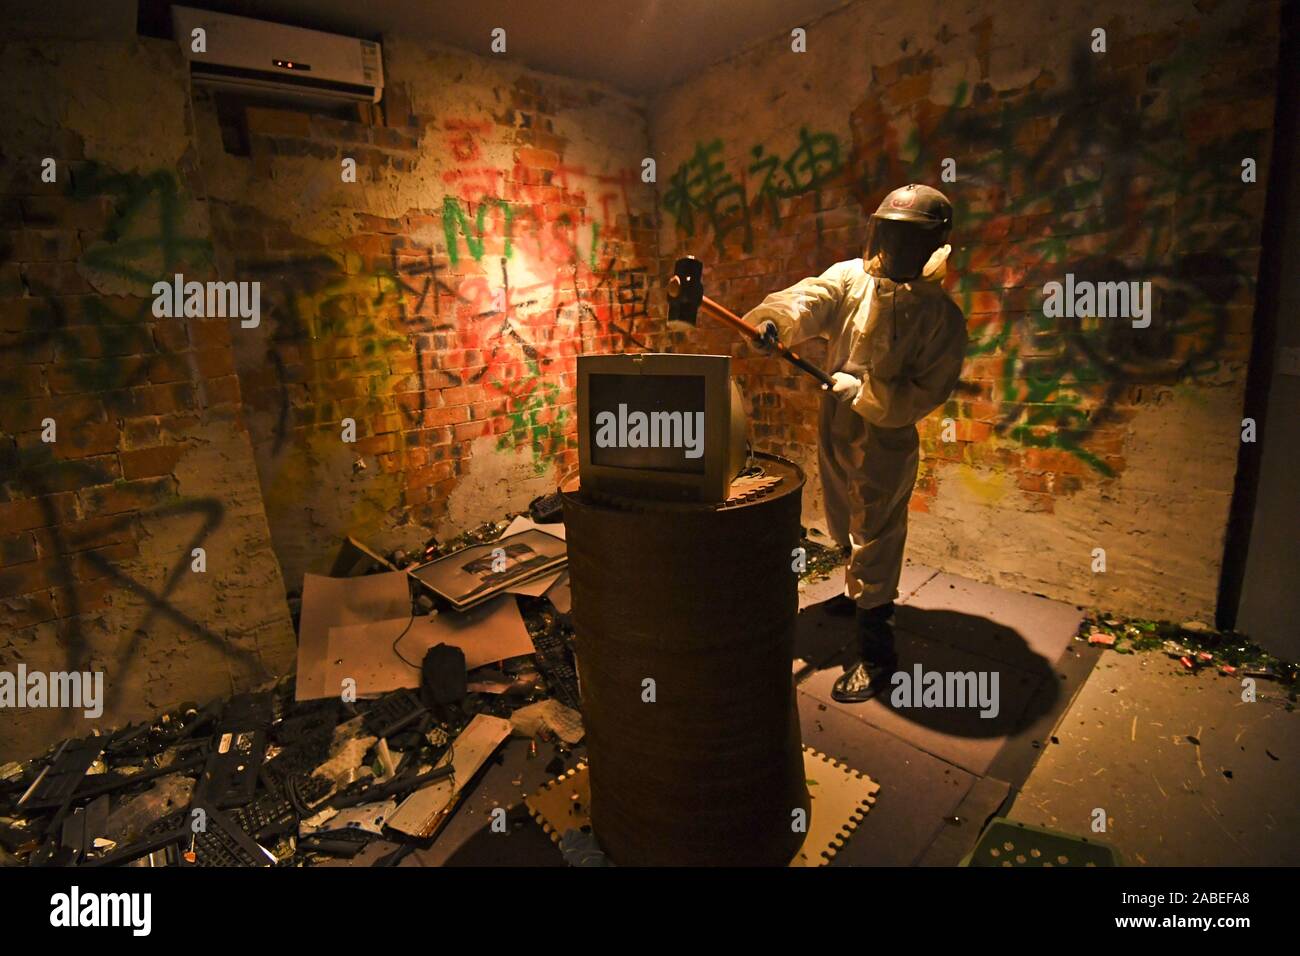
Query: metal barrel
{"type": "Point", "coordinates": [684, 619]}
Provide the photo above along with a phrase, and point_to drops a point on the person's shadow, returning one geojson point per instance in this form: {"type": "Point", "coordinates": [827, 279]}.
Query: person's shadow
{"type": "Point", "coordinates": [952, 644]}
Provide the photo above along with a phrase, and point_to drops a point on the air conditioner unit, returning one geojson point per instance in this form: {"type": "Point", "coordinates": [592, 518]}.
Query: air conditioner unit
{"type": "Point", "coordinates": [243, 54]}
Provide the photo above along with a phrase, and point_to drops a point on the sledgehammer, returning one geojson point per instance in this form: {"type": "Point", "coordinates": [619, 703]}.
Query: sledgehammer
{"type": "Point", "coordinates": [686, 295]}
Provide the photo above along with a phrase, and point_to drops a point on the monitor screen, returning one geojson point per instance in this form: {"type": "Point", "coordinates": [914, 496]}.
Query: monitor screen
{"type": "Point", "coordinates": [651, 422]}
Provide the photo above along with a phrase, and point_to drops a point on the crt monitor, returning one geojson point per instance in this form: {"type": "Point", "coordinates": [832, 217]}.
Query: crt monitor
{"type": "Point", "coordinates": [659, 425]}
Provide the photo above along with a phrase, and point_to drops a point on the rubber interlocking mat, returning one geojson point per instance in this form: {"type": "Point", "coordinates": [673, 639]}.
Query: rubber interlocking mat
{"type": "Point", "coordinates": [841, 798]}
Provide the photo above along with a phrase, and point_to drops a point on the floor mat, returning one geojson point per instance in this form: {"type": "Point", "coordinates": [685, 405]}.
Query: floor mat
{"type": "Point", "coordinates": [841, 799]}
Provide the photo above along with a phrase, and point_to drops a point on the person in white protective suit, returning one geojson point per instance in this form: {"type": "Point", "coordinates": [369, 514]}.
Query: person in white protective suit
{"type": "Point", "coordinates": [897, 341]}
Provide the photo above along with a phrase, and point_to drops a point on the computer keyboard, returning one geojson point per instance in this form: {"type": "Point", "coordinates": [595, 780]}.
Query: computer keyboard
{"type": "Point", "coordinates": [393, 712]}
{"type": "Point", "coordinates": [223, 843]}
{"type": "Point", "coordinates": [266, 817]}
{"type": "Point", "coordinates": [553, 661]}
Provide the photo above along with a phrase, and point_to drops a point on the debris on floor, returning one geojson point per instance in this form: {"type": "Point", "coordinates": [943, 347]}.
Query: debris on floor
{"type": "Point", "coordinates": [548, 717]}
{"type": "Point", "coordinates": [822, 560]}
{"type": "Point", "coordinates": [1194, 644]}
{"type": "Point", "coordinates": [311, 768]}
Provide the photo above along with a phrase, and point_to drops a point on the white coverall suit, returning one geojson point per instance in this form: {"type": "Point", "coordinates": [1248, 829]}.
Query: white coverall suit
{"type": "Point", "coordinates": [906, 342]}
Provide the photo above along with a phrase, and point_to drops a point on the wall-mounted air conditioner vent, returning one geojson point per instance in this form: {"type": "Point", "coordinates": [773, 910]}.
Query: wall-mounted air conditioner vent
{"type": "Point", "coordinates": [243, 54]}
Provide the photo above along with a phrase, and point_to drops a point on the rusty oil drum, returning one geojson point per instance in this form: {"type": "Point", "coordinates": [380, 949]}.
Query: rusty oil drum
{"type": "Point", "coordinates": [702, 600]}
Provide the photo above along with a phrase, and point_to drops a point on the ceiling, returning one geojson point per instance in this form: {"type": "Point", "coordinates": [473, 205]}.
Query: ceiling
{"type": "Point", "coordinates": [638, 46]}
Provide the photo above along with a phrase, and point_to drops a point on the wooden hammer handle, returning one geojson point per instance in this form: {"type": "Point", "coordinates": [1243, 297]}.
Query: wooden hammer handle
{"type": "Point", "coordinates": [726, 315]}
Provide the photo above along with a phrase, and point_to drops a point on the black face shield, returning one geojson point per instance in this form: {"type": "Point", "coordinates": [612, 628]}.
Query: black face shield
{"type": "Point", "coordinates": [905, 229]}
{"type": "Point", "coordinates": [898, 249]}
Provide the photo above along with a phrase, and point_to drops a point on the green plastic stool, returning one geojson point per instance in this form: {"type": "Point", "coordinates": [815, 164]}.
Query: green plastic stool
{"type": "Point", "coordinates": [1010, 843]}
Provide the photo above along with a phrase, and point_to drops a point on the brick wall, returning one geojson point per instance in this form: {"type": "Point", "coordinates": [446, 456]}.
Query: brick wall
{"type": "Point", "coordinates": [497, 229]}
{"type": "Point", "coordinates": [1070, 435]}
{"type": "Point", "coordinates": [150, 458]}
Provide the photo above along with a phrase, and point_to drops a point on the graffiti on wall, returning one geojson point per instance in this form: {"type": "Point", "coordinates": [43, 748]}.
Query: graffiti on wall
{"type": "Point", "coordinates": [1082, 176]}
{"type": "Point", "coordinates": [703, 193]}
{"type": "Point", "coordinates": [103, 346]}
{"type": "Point", "coordinates": [534, 269]}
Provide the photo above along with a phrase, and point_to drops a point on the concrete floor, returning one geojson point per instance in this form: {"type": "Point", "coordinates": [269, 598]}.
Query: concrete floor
{"type": "Point", "coordinates": [1186, 771]}
{"type": "Point", "coordinates": [1079, 729]}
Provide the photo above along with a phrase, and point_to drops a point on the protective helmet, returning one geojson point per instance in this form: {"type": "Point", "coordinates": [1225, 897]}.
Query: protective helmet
{"type": "Point", "coordinates": [908, 226]}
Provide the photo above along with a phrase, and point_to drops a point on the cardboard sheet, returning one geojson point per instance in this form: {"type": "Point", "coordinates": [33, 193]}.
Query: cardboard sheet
{"type": "Point", "coordinates": [337, 602]}
{"type": "Point", "coordinates": [364, 652]}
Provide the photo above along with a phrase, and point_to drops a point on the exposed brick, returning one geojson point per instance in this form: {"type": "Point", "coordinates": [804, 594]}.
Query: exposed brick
{"type": "Point", "coordinates": [59, 476]}
{"type": "Point", "coordinates": [43, 245]}
{"type": "Point", "coordinates": [170, 334]}
{"type": "Point", "coordinates": [86, 598]}
{"type": "Point", "coordinates": [167, 368]}
{"type": "Point", "coordinates": [209, 333]}
{"type": "Point", "coordinates": [154, 399]}
{"type": "Point", "coordinates": [53, 212]}
{"type": "Point", "coordinates": [223, 391]}
{"type": "Point", "coordinates": [98, 563]}
{"type": "Point", "coordinates": [136, 495]}
{"type": "Point", "coordinates": [27, 610]}
{"type": "Point", "coordinates": [150, 462]}
{"type": "Point", "coordinates": [17, 549]}
{"type": "Point", "coordinates": [65, 410]}
{"type": "Point", "coordinates": [27, 577]}
{"type": "Point", "coordinates": [274, 122]}
{"type": "Point", "coordinates": [446, 416]}
{"type": "Point", "coordinates": [87, 439]}
{"type": "Point", "coordinates": [214, 363]}
{"type": "Point", "coordinates": [87, 533]}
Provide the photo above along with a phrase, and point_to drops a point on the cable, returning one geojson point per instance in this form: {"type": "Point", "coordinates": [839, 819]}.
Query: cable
{"type": "Point", "coordinates": [402, 635]}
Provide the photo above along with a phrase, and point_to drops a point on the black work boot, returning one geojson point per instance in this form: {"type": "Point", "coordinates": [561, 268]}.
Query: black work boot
{"type": "Point", "coordinates": [869, 675]}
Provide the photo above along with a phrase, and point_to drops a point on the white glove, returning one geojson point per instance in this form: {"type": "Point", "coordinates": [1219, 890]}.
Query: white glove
{"type": "Point", "coordinates": [846, 386]}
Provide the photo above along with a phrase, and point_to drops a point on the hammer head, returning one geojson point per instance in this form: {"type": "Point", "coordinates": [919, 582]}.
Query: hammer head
{"type": "Point", "coordinates": [686, 290]}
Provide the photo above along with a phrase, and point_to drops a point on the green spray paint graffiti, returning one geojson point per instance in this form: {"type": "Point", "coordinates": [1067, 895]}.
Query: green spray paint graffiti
{"type": "Point", "coordinates": [455, 225]}
{"type": "Point", "coordinates": [1082, 177]}
{"type": "Point", "coordinates": [702, 187]}
{"type": "Point", "coordinates": [146, 236]}
{"type": "Point", "coordinates": [537, 420]}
